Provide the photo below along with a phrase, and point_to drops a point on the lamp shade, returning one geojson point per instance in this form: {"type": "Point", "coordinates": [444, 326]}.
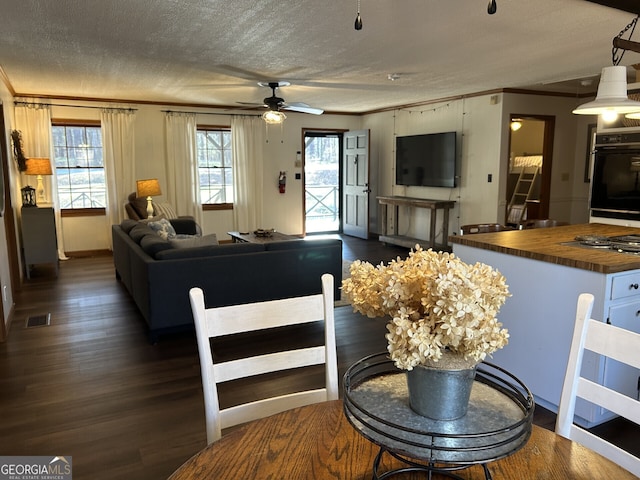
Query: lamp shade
{"type": "Point", "coordinates": [612, 94]}
{"type": "Point", "coordinates": [38, 166]}
{"type": "Point", "coordinates": [148, 188]}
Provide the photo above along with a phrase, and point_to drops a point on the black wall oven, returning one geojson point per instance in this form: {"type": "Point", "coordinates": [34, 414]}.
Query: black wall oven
{"type": "Point", "coordinates": [615, 186]}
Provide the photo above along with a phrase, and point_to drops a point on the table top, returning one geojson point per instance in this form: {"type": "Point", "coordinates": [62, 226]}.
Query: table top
{"type": "Point", "coordinates": [318, 442]}
{"type": "Point", "coordinates": [497, 423]}
{"type": "Point", "coordinates": [416, 202]}
{"type": "Point", "coordinates": [549, 245]}
{"type": "Point", "coordinates": [253, 238]}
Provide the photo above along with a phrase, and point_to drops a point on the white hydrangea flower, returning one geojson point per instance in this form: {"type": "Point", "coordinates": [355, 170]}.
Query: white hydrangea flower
{"type": "Point", "coordinates": [436, 302]}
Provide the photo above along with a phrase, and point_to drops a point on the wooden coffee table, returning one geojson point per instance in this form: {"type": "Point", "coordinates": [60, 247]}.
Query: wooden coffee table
{"type": "Point", "coordinates": [250, 237]}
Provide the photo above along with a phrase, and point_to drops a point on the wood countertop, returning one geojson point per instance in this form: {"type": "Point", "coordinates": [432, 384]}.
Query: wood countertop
{"type": "Point", "coordinates": [545, 244]}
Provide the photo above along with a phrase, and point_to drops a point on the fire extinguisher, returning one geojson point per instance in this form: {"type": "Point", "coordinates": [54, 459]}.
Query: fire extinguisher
{"type": "Point", "coordinates": [282, 182]}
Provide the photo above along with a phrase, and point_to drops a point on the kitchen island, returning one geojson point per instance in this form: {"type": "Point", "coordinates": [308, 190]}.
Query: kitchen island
{"type": "Point", "coordinates": [546, 271]}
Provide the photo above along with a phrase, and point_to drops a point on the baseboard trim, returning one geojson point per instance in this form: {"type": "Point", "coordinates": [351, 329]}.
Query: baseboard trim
{"type": "Point", "coordinates": [88, 253]}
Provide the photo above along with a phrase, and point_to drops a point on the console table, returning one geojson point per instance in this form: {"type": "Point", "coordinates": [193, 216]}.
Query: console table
{"type": "Point", "coordinates": [432, 205]}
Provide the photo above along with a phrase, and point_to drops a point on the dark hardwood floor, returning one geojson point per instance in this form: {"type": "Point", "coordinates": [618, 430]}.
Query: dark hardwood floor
{"type": "Point", "coordinates": [90, 385]}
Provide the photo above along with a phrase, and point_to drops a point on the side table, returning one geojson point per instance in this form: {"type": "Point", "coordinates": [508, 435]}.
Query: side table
{"type": "Point", "coordinates": [497, 424]}
{"type": "Point", "coordinates": [39, 240]}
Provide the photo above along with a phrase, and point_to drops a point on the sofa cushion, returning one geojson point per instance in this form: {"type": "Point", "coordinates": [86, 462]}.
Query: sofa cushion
{"type": "Point", "coordinates": [163, 228]}
{"type": "Point", "coordinates": [298, 244]}
{"type": "Point", "coordinates": [139, 231]}
{"type": "Point", "coordinates": [127, 224]}
{"type": "Point", "coordinates": [139, 205]}
{"type": "Point", "coordinates": [192, 241]}
{"type": "Point", "coordinates": [210, 251]}
{"type": "Point", "coordinates": [185, 225]}
{"type": "Point", "coordinates": [153, 244]}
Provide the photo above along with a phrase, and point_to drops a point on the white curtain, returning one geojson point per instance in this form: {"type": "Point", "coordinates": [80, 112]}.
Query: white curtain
{"type": "Point", "coordinates": [247, 133]}
{"type": "Point", "coordinates": [119, 162]}
{"type": "Point", "coordinates": [183, 187]}
{"type": "Point", "coordinates": [33, 120]}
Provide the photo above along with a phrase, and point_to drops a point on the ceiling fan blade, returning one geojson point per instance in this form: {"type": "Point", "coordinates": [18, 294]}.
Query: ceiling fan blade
{"type": "Point", "coordinates": [253, 104]}
{"type": "Point", "coordinates": [303, 108]}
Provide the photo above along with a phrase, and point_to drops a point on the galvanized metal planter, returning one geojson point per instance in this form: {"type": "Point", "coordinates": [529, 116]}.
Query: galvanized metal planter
{"type": "Point", "coordinates": [438, 393]}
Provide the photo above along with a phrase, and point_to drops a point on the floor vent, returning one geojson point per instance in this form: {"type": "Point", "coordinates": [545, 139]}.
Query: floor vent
{"type": "Point", "coordinates": [39, 320]}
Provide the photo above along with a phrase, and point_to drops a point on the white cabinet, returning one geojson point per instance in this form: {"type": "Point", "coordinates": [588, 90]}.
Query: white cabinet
{"type": "Point", "coordinates": [540, 316]}
{"type": "Point", "coordinates": [621, 377]}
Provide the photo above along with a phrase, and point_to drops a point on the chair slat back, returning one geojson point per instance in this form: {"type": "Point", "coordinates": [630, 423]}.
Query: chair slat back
{"type": "Point", "coordinates": [614, 343]}
{"type": "Point", "coordinates": [221, 321]}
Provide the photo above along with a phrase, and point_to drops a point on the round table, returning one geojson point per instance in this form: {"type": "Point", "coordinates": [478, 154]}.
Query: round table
{"type": "Point", "coordinates": [318, 442]}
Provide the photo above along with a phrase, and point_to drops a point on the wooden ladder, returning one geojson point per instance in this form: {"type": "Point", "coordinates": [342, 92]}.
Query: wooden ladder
{"type": "Point", "coordinates": [521, 193]}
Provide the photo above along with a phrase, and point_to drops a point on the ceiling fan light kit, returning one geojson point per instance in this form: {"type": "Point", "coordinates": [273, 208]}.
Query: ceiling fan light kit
{"type": "Point", "coordinates": [273, 117]}
{"type": "Point", "coordinates": [275, 105]}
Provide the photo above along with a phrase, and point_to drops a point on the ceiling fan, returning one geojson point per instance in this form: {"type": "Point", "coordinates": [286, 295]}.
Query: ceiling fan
{"type": "Point", "coordinates": [276, 104]}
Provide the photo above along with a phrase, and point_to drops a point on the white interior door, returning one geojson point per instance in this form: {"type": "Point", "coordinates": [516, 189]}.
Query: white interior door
{"type": "Point", "coordinates": [355, 184]}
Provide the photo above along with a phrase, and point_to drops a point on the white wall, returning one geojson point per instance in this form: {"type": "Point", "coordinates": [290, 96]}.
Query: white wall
{"type": "Point", "coordinates": [474, 119]}
{"type": "Point", "coordinates": [6, 293]}
{"type": "Point", "coordinates": [482, 124]}
{"type": "Point", "coordinates": [569, 193]}
{"type": "Point", "coordinates": [284, 212]}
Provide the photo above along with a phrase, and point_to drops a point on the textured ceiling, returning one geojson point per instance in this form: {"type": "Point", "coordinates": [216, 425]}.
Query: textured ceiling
{"type": "Point", "coordinates": [212, 52]}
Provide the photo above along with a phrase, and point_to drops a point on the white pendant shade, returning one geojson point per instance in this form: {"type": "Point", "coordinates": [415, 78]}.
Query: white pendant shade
{"type": "Point", "coordinates": [612, 94]}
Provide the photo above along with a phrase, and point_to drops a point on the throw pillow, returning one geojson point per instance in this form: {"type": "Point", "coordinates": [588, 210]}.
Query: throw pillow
{"type": "Point", "coordinates": [165, 209]}
{"type": "Point", "coordinates": [189, 241]}
{"type": "Point", "coordinates": [139, 231]}
{"type": "Point", "coordinates": [163, 228]}
{"type": "Point", "coordinates": [139, 205]}
{"type": "Point", "coordinates": [157, 218]}
{"type": "Point", "coordinates": [127, 224]}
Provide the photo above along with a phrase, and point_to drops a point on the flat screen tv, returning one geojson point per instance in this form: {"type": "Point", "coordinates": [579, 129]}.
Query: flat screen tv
{"type": "Point", "coordinates": [426, 160]}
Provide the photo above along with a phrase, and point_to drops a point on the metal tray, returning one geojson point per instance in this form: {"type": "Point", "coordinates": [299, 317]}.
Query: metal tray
{"type": "Point", "coordinates": [497, 424]}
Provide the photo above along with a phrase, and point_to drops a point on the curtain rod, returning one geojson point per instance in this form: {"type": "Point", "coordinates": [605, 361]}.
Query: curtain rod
{"type": "Point", "coordinates": [75, 106]}
{"type": "Point", "coordinates": [212, 113]}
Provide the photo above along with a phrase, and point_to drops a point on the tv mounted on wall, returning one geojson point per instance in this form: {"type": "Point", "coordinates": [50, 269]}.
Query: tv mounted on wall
{"type": "Point", "coordinates": [427, 160]}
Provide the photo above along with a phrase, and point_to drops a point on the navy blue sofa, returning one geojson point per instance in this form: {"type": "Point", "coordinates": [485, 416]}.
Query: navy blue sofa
{"type": "Point", "coordinates": [159, 277]}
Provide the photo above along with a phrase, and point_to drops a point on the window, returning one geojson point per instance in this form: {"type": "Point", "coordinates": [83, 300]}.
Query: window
{"type": "Point", "coordinates": [79, 166]}
{"type": "Point", "coordinates": [215, 165]}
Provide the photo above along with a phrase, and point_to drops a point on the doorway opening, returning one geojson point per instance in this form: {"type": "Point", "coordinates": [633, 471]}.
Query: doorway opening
{"type": "Point", "coordinates": [529, 168]}
{"type": "Point", "coordinates": [322, 180]}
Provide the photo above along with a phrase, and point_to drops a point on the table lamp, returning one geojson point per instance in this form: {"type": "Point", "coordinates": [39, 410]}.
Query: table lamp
{"type": "Point", "coordinates": [148, 188]}
{"type": "Point", "coordinates": [39, 167]}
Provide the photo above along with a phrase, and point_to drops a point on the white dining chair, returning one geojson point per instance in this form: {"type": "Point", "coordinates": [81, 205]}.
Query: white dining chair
{"type": "Point", "coordinates": [235, 319]}
{"type": "Point", "coordinates": [611, 342]}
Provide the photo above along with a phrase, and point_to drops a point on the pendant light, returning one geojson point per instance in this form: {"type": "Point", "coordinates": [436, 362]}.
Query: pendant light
{"type": "Point", "coordinates": [611, 99]}
{"type": "Point", "coordinates": [358, 23]}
